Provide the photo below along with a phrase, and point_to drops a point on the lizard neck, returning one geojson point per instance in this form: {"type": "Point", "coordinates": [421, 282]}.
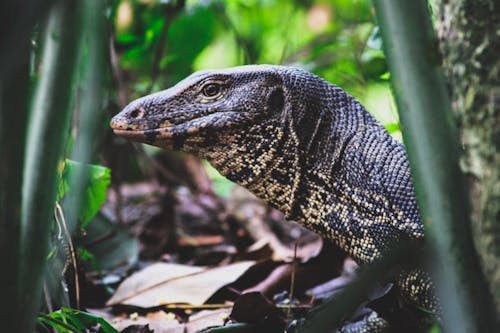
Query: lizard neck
{"type": "Point", "coordinates": [268, 167]}
{"type": "Point", "coordinates": [366, 190]}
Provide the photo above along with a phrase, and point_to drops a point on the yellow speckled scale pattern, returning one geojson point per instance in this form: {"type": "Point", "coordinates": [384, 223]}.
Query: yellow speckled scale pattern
{"type": "Point", "coordinates": [371, 323]}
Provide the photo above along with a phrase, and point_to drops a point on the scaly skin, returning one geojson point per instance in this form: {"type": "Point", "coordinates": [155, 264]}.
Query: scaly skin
{"type": "Point", "coordinates": [303, 145]}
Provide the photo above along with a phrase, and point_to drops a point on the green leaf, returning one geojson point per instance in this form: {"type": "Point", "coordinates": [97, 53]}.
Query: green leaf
{"type": "Point", "coordinates": [58, 324]}
{"type": "Point", "coordinates": [86, 256]}
{"type": "Point", "coordinates": [435, 329]}
{"type": "Point", "coordinates": [68, 320]}
{"type": "Point", "coordinates": [392, 127]}
{"type": "Point", "coordinates": [127, 38]}
{"type": "Point", "coordinates": [188, 35]}
{"type": "Point", "coordinates": [99, 178]}
{"type": "Point", "coordinates": [386, 76]}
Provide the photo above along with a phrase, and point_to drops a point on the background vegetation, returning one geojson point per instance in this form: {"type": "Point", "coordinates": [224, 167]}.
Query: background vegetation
{"type": "Point", "coordinates": [335, 39]}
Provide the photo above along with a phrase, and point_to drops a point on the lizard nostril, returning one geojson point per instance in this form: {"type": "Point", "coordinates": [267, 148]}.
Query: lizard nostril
{"type": "Point", "coordinates": [116, 122]}
{"type": "Point", "coordinates": [137, 113]}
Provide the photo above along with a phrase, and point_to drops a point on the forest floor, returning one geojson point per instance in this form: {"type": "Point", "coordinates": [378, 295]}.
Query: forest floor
{"type": "Point", "coordinates": [174, 259]}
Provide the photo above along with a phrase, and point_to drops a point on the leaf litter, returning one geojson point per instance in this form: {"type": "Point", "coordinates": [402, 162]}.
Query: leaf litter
{"type": "Point", "coordinates": [206, 261]}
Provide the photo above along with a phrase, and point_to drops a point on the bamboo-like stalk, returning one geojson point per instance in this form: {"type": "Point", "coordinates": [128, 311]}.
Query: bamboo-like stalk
{"type": "Point", "coordinates": [13, 115]}
{"type": "Point", "coordinates": [89, 107]}
{"type": "Point", "coordinates": [16, 23]}
{"type": "Point", "coordinates": [431, 138]}
{"type": "Point", "coordinates": [90, 98]}
{"type": "Point", "coordinates": [13, 96]}
{"type": "Point", "coordinates": [46, 139]}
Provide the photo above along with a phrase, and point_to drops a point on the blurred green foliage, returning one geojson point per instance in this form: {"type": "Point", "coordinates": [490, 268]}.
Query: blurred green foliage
{"type": "Point", "coordinates": [335, 39]}
{"type": "Point", "coordinates": [161, 42]}
{"type": "Point", "coordinates": [94, 195]}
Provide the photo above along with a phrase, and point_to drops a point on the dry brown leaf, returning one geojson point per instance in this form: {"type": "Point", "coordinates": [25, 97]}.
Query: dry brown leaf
{"type": "Point", "coordinates": [162, 322]}
{"type": "Point", "coordinates": [207, 318]}
{"type": "Point", "coordinates": [157, 325]}
{"type": "Point", "coordinates": [164, 283]}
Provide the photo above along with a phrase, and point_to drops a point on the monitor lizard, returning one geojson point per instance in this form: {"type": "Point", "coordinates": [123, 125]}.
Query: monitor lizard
{"type": "Point", "coordinates": [302, 144]}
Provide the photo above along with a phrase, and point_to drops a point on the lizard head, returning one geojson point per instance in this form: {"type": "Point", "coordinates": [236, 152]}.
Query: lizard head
{"type": "Point", "coordinates": [206, 110]}
{"type": "Point", "coordinates": [252, 123]}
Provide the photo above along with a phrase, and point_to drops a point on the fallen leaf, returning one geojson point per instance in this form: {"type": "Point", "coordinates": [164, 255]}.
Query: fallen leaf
{"type": "Point", "coordinates": [254, 308]}
{"type": "Point", "coordinates": [207, 318]}
{"type": "Point", "coordinates": [155, 325]}
{"type": "Point", "coordinates": [271, 277]}
{"type": "Point", "coordinates": [165, 283]}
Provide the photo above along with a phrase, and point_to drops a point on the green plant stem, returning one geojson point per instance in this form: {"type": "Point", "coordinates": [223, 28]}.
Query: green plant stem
{"type": "Point", "coordinates": [16, 23]}
{"type": "Point", "coordinates": [431, 138]}
{"type": "Point", "coordinates": [14, 96]}
{"type": "Point", "coordinates": [45, 143]}
{"type": "Point", "coordinates": [90, 105]}
{"type": "Point", "coordinates": [89, 114]}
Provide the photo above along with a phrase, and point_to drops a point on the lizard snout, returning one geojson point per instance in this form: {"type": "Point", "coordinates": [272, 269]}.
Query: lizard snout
{"type": "Point", "coordinates": [119, 122]}
{"type": "Point", "coordinates": [128, 118]}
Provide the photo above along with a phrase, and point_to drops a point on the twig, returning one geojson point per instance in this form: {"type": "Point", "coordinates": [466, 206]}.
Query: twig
{"type": "Point", "coordinates": [117, 73]}
{"type": "Point", "coordinates": [60, 214]}
{"type": "Point", "coordinates": [292, 282]}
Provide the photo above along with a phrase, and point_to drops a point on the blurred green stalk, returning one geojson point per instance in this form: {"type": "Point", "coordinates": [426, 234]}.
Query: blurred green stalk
{"type": "Point", "coordinates": [430, 135]}
{"type": "Point", "coordinates": [46, 140]}
{"type": "Point", "coordinates": [89, 108]}
{"type": "Point", "coordinates": [90, 97]}
{"type": "Point", "coordinates": [17, 20]}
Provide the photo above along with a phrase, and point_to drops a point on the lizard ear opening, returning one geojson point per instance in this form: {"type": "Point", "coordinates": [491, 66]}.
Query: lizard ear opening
{"type": "Point", "coordinates": [276, 100]}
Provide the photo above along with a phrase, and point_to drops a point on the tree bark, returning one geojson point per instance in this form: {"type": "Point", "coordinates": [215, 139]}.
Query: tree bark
{"type": "Point", "coordinates": [469, 34]}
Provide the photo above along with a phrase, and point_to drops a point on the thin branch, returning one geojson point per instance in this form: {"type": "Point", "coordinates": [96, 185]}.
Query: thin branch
{"type": "Point", "coordinates": [292, 282]}
{"type": "Point", "coordinates": [117, 76]}
{"type": "Point", "coordinates": [59, 215]}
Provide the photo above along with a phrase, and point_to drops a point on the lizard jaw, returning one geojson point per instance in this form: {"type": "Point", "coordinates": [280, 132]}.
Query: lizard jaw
{"type": "Point", "coordinates": [153, 136]}
{"type": "Point", "coordinates": [161, 136]}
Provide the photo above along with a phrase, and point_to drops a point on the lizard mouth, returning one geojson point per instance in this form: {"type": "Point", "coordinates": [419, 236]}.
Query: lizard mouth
{"type": "Point", "coordinates": [192, 127]}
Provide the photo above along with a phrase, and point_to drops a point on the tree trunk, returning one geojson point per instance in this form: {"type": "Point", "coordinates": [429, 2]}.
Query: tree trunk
{"type": "Point", "coordinates": [469, 33]}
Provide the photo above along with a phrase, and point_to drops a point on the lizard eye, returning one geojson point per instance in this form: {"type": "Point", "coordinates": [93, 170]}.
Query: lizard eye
{"type": "Point", "coordinates": [211, 90]}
